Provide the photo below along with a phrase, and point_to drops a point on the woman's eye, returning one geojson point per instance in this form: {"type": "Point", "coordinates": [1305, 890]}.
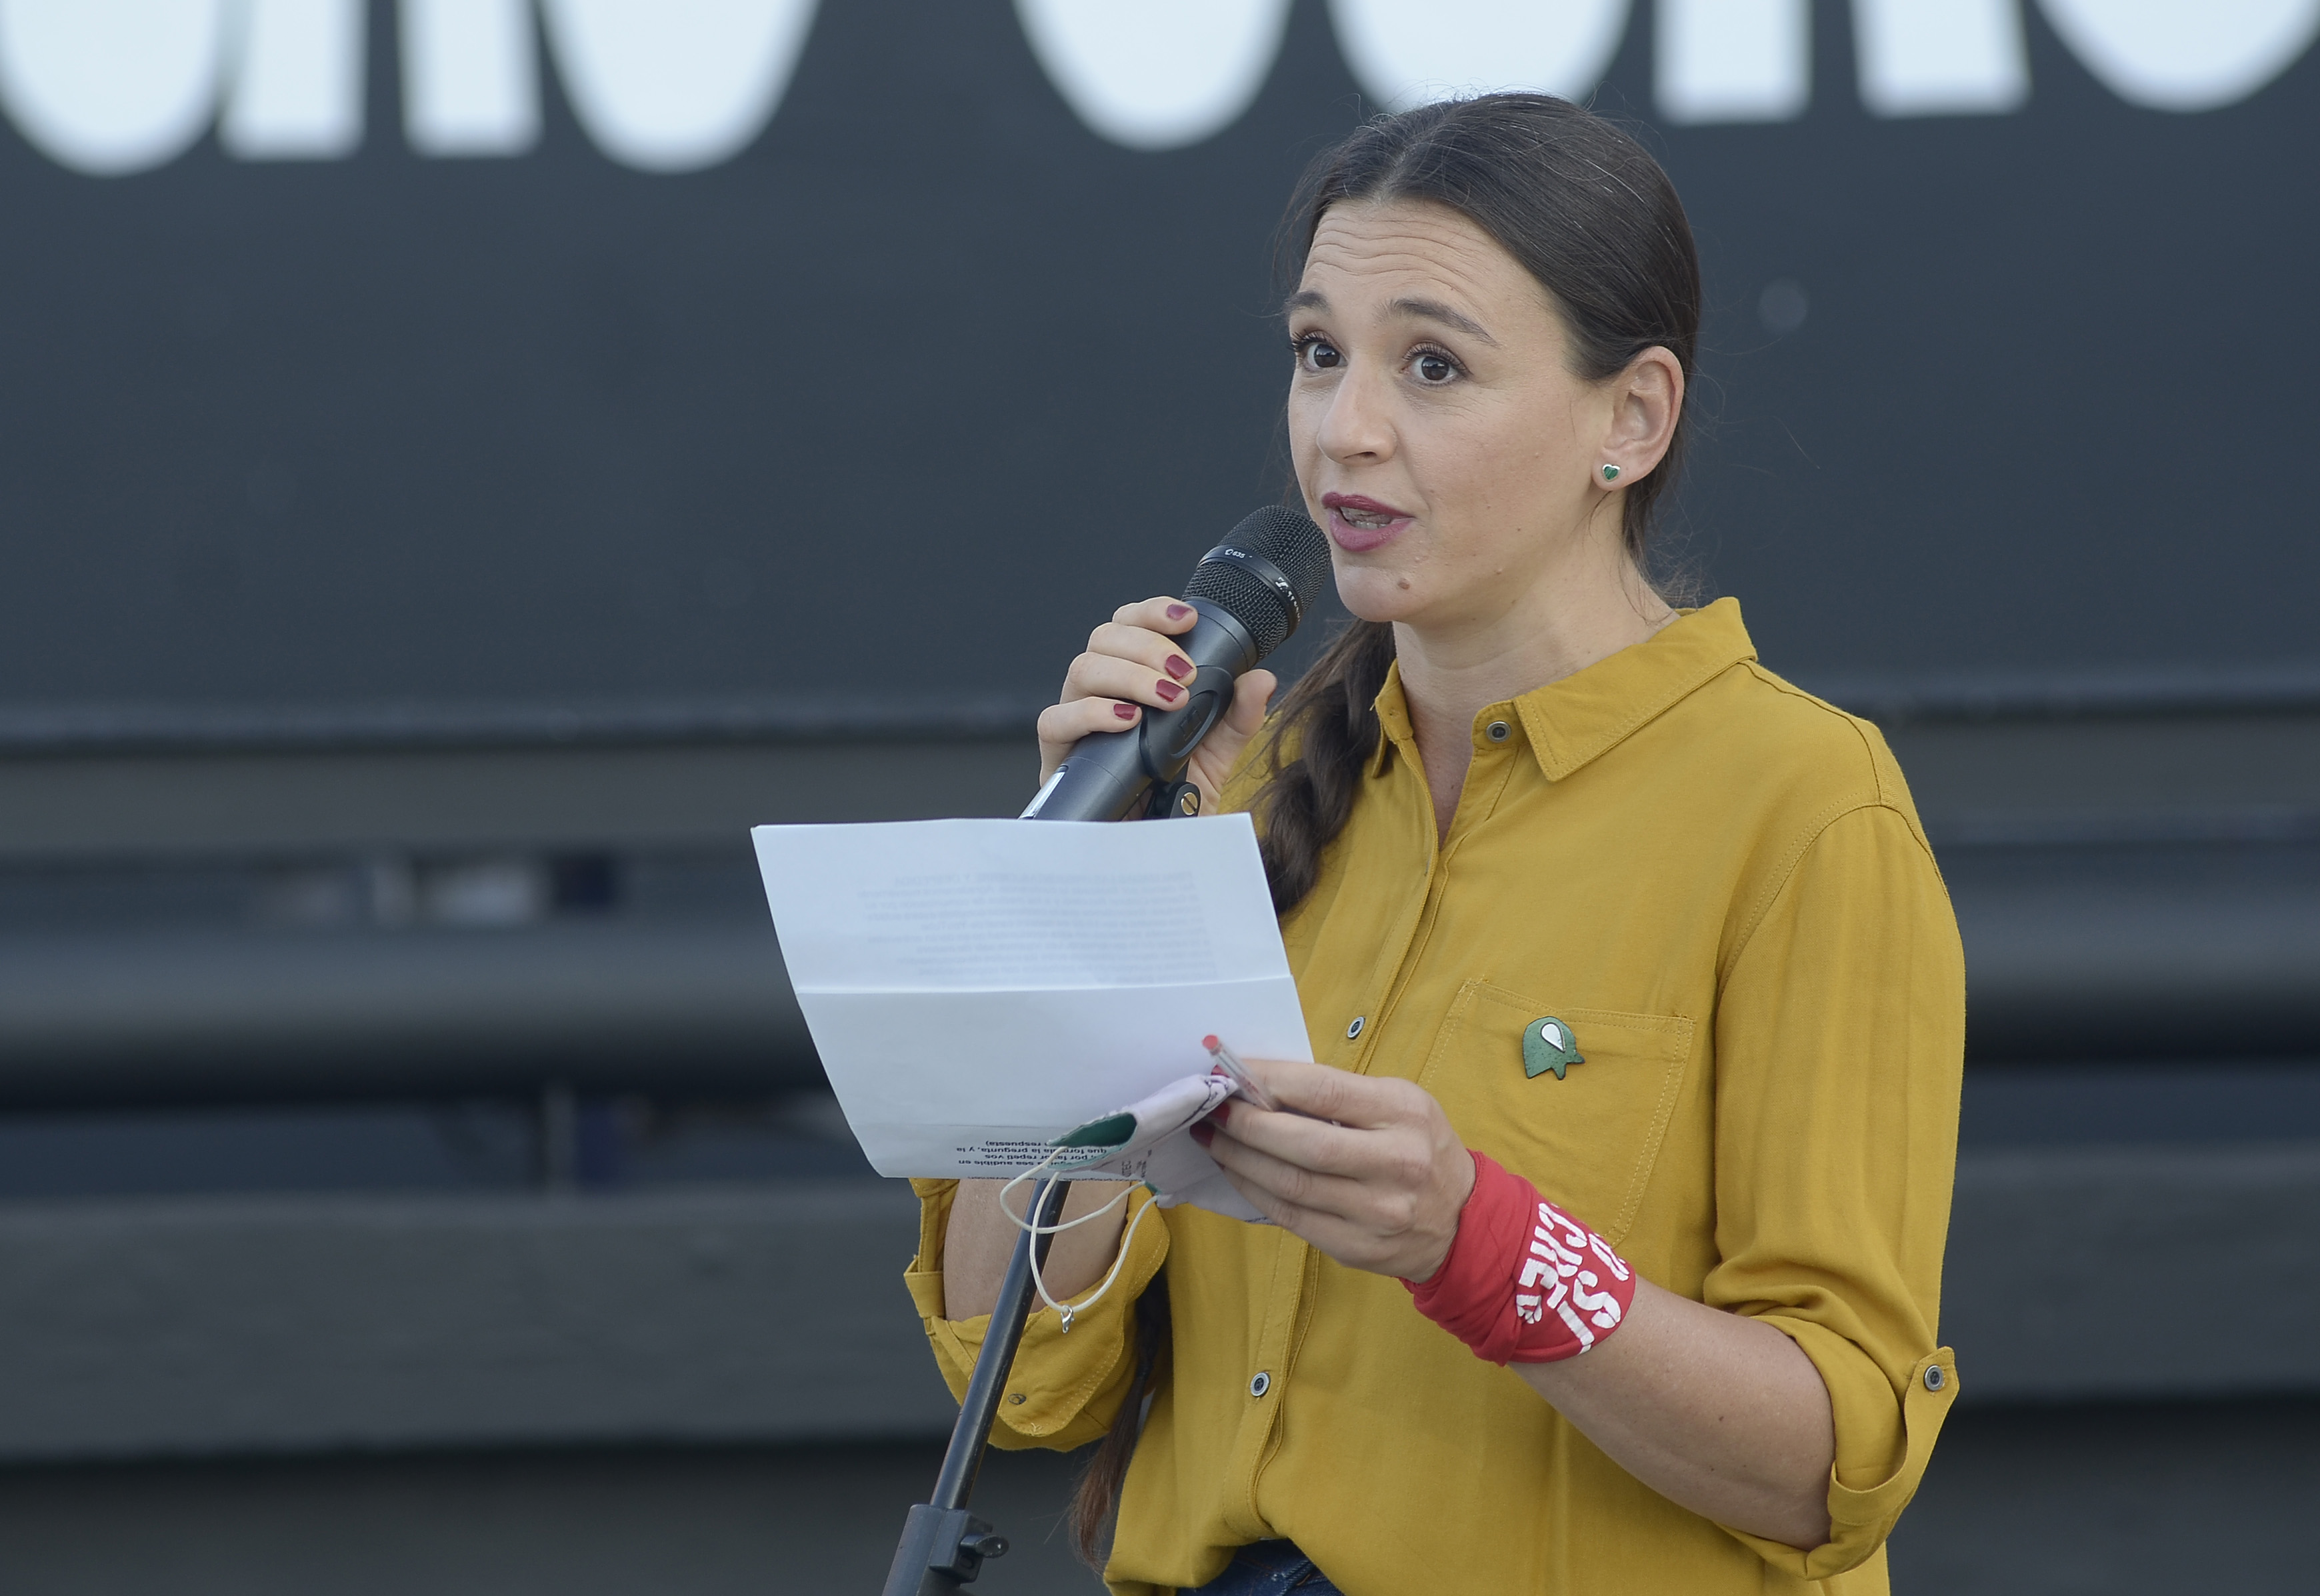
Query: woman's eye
{"type": "Point", "coordinates": [1434, 369]}
{"type": "Point", "coordinates": [1316, 354]}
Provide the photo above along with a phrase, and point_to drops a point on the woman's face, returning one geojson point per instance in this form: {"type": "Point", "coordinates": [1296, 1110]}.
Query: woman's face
{"type": "Point", "coordinates": [1438, 431]}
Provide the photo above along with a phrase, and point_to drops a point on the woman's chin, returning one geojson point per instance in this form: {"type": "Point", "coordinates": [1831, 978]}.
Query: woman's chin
{"type": "Point", "coordinates": [1372, 593]}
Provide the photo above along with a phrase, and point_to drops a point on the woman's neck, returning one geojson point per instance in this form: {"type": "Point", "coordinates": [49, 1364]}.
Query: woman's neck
{"type": "Point", "coordinates": [1450, 672]}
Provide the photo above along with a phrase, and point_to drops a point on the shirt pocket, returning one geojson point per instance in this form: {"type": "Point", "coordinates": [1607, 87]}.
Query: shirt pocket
{"type": "Point", "coordinates": [1586, 1139]}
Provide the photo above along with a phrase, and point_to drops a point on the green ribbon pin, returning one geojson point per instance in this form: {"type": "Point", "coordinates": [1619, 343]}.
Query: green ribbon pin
{"type": "Point", "coordinates": [1548, 1045]}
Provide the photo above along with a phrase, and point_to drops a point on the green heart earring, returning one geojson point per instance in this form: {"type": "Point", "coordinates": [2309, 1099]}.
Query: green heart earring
{"type": "Point", "coordinates": [1611, 473]}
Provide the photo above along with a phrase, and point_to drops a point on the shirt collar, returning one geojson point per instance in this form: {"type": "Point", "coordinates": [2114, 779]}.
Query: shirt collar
{"type": "Point", "coordinates": [1589, 712]}
{"type": "Point", "coordinates": [1394, 723]}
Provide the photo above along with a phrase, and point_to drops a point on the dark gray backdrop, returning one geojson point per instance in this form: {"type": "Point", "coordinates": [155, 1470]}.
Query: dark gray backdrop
{"type": "Point", "coordinates": [894, 404]}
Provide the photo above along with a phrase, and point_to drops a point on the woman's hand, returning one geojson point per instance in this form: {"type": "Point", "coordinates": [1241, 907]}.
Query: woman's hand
{"type": "Point", "coordinates": [1718, 1412]}
{"type": "Point", "coordinates": [1132, 663]}
{"type": "Point", "coordinates": [1375, 1177]}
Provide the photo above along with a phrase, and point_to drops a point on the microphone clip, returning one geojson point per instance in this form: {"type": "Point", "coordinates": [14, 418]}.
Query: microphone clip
{"type": "Point", "coordinates": [1171, 801]}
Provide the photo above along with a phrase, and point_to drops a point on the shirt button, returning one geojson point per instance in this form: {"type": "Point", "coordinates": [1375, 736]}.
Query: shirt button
{"type": "Point", "coordinates": [1260, 1384]}
{"type": "Point", "coordinates": [1498, 732]}
{"type": "Point", "coordinates": [1934, 1377]}
{"type": "Point", "coordinates": [1354, 1030]}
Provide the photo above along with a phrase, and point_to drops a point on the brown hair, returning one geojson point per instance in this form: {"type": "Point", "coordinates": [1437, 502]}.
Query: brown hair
{"type": "Point", "coordinates": [1587, 213]}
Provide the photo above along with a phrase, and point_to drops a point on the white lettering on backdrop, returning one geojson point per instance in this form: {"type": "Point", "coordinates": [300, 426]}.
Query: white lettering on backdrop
{"type": "Point", "coordinates": [1156, 74]}
{"type": "Point", "coordinates": [673, 85]}
{"type": "Point", "coordinates": [113, 87]}
{"type": "Point", "coordinates": [296, 86]}
{"type": "Point", "coordinates": [1733, 60]}
{"type": "Point", "coordinates": [106, 86]}
{"type": "Point", "coordinates": [2185, 55]}
{"type": "Point", "coordinates": [1405, 52]}
{"type": "Point", "coordinates": [1940, 57]}
{"type": "Point", "coordinates": [470, 77]}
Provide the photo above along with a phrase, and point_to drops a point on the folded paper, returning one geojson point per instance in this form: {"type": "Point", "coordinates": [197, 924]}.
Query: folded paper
{"type": "Point", "coordinates": [977, 989]}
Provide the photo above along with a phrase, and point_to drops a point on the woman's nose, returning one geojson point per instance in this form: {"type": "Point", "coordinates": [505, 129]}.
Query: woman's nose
{"type": "Point", "coordinates": [1355, 426]}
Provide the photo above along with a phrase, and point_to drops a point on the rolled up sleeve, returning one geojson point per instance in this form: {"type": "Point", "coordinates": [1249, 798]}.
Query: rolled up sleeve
{"type": "Point", "coordinates": [1067, 1388]}
{"type": "Point", "coordinates": [1840, 1044]}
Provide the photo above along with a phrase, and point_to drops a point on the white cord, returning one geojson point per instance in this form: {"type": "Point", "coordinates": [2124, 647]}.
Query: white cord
{"type": "Point", "coordinates": [1068, 1310]}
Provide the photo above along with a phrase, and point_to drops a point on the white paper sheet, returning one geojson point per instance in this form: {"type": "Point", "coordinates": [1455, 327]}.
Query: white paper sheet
{"type": "Point", "coordinates": [976, 988]}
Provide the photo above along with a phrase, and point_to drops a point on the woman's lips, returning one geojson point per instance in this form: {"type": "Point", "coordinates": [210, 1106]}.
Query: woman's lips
{"type": "Point", "coordinates": [1358, 523]}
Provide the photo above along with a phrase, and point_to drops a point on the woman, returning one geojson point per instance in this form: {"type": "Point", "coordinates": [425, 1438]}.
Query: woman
{"type": "Point", "coordinates": [1618, 954]}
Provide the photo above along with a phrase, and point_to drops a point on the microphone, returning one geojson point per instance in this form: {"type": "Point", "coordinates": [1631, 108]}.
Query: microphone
{"type": "Point", "coordinates": [1251, 591]}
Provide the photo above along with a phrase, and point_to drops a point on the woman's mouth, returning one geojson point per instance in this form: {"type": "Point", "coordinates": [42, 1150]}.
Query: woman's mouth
{"type": "Point", "coordinates": [1358, 523]}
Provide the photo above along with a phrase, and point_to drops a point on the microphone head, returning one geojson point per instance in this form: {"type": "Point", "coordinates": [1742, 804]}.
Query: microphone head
{"type": "Point", "coordinates": [1266, 574]}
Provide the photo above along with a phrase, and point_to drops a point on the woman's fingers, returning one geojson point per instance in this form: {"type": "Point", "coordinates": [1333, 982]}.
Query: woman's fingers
{"type": "Point", "coordinates": [1339, 1237]}
{"type": "Point", "coordinates": [1104, 693]}
{"type": "Point", "coordinates": [1220, 751]}
{"type": "Point", "coordinates": [1363, 1224]}
{"type": "Point", "coordinates": [1148, 649]}
{"type": "Point", "coordinates": [1290, 1181]}
{"type": "Point", "coordinates": [1131, 664]}
{"type": "Point", "coordinates": [1251, 693]}
{"type": "Point", "coordinates": [1171, 615]}
{"type": "Point", "coordinates": [1160, 683]}
{"type": "Point", "coordinates": [1340, 1096]}
{"type": "Point", "coordinates": [1062, 724]}
{"type": "Point", "coordinates": [1399, 1156]}
{"type": "Point", "coordinates": [1379, 1188]}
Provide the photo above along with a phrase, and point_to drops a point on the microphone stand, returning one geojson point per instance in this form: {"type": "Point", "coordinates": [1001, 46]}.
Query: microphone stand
{"type": "Point", "coordinates": [943, 1545]}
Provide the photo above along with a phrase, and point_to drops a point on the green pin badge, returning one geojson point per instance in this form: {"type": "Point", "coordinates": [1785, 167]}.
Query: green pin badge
{"type": "Point", "coordinates": [1548, 1045]}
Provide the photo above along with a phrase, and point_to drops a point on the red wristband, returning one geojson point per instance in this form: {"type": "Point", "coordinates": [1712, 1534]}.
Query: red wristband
{"type": "Point", "coordinates": [1524, 1281]}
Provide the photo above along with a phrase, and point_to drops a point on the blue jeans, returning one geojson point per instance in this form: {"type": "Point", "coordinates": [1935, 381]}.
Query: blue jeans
{"type": "Point", "coordinates": [1269, 1568]}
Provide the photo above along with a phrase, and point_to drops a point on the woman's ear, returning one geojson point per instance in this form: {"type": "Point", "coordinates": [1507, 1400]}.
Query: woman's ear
{"type": "Point", "coordinates": [1646, 399]}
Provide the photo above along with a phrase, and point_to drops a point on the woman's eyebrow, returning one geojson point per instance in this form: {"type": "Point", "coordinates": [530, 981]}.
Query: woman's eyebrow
{"type": "Point", "coordinates": [1424, 310]}
{"type": "Point", "coordinates": [1434, 310]}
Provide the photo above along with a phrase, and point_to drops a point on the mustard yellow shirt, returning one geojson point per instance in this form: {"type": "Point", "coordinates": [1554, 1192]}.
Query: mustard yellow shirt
{"type": "Point", "coordinates": [1718, 884]}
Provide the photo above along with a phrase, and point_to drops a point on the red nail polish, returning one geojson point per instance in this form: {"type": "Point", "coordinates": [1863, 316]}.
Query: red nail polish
{"type": "Point", "coordinates": [1178, 612]}
{"type": "Point", "coordinates": [1168, 691]}
{"type": "Point", "coordinates": [1204, 1133]}
{"type": "Point", "coordinates": [1126, 711]}
{"type": "Point", "coordinates": [1179, 667]}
